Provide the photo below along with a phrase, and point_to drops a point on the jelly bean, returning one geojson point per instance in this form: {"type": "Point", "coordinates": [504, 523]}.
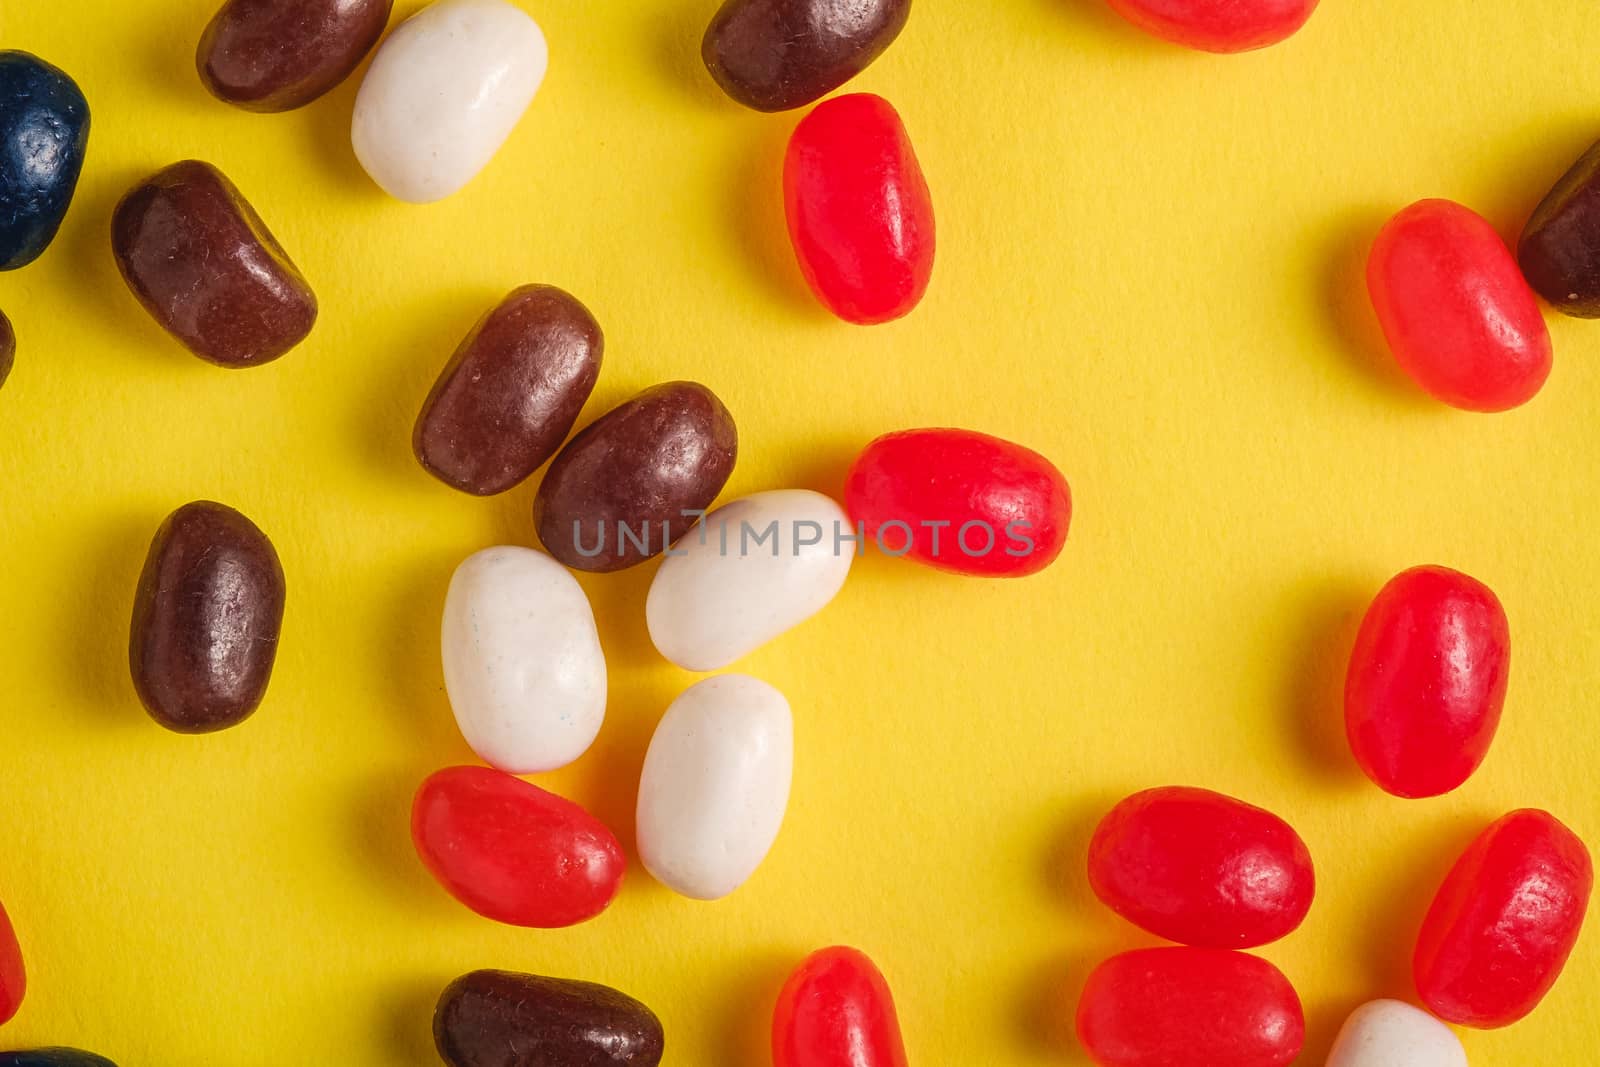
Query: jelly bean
{"type": "Point", "coordinates": [1560, 247]}
{"type": "Point", "coordinates": [44, 132]}
{"type": "Point", "coordinates": [511, 851]}
{"type": "Point", "coordinates": [510, 394]}
{"type": "Point", "coordinates": [774, 55]}
{"type": "Point", "coordinates": [858, 209]}
{"type": "Point", "coordinates": [53, 1057]}
{"type": "Point", "coordinates": [836, 1011]}
{"type": "Point", "coordinates": [1218, 25]}
{"type": "Point", "coordinates": [202, 263]}
{"type": "Point", "coordinates": [715, 785]}
{"type": "Point", "coordinates": [960, 501]}
{"type": "Point", "coordinates": [277, 55]}
{"type": "Point", "coordinates": [634, 481]}
{"type": "Point", "coordinates": [1504, 921]}
{"type": "Point", "coordinates": [1427, 681]}
{"type": "Point", "coordinates": [206, 620]}
{"type": "Point", "coordinates": [1189, 1007]}
{"type": "Point", "coordinates": [8, 348]}
{"type": "Point", "coordinates": [1388, 1033]}
{"type": "Point", "coordinates": [1201, 868]}
{"type": "Point", "coordinates": [498, 1019]}
{"type": "Point", "coordinates": [759, 566]}
{"type": "Point", "coordinates": [1455, 309]}
{"type": "Point", "coordinates": [444, 93]}
{"type": "Point", "coordinates": [13, 976]}
{"type": "Point", "coordinates": [522, 660]}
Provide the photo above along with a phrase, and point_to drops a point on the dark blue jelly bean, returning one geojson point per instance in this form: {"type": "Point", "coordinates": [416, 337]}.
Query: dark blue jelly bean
{"type": "Point", "coordinates": [44, 129]}
{"type": "Point", "coordinates": [53, 1057]}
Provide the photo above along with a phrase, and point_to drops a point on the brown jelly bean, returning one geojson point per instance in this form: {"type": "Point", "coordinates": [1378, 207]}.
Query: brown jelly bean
{"type": "Point", "coordinates": [774, 55]}
{"type": "Point", "coordinates": [276, 55]}
{"type": "Point", "coordinates": [618, 493]}
{"type": "Point", "coordinates": [8, 347]}
{"type": "Point", "coordinates": [206, 620]}
{"type": "Point", "coordinates": [510, 394]}
{"type": "Point", "coordinates": [499, 1019]}
{"type": "Point", "coordinates": [1560, 247]}
{"type": "Point", "coordinates": [203, 264]}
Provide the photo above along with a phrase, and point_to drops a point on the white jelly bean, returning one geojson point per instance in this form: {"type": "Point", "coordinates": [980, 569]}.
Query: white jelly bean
{"type": "Point", "coordinates": [522, 660]}
{"type": "Point", "coordinates": [715, 785]}
{"type": "Point", "coordinates": [443, 94]}
{"type": "Point", "coordinates": [1388, 1033]}
{"type": "Point", "coordinates": [758, 566]}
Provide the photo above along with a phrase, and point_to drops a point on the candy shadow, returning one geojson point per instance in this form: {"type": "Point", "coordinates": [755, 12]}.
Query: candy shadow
{"type": "Point", "coordinates": [1401, 899]}
{"type": "Point", "coordinates": [824, 466]}
{"type": "Point", "coordinates": [1348, 308]}
{"type": "Point", "coordinates": [1529, 176]}
{"type": "Point", "coordinates": [1313, 687]}
{"type": "Point", "coordinates": [381, 849]}
{"type": "Point", "coordinates": [675, 48]}
{"type": "Point", "coordinates": [756, 219]}
{"type": "Point", "coordinates": [93, 628]}
{"type": "Point", "coordinates": [85, 245]}
{"type": "Point", "coordinates": [325, 125]}
{"type": "Point", "coordinates": [406, 1020]}
{"type": "Point", "coordinates": [168, 56]}
{"type": "Point", "coordinates": [1047, 1004]}
{"type": "Point", "coordinates": [1063, 871]}
{"type": "Point", "coordinates": [746, 1005]}
{"type": "Point", "coordinates": [1110, 29]}
{"type": "Point", "coordinates": [1323, 1021]}
{"type": "Point", "coordinates": [412, 667]}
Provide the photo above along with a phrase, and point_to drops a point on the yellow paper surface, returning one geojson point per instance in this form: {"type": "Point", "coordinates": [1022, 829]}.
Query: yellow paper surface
{"type": "Point", "coordinates": [1149, 269]}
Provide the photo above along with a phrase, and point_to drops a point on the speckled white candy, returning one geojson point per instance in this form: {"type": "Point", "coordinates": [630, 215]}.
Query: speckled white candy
{"type": "Point", "coordinates": [1388, 1033]}
{"type": "Point", "coordinates": [714, 603]}
{"type": "Point", "coordinates": [443, 93]}
{"type": "Point", "coordinates": [522, 660]}
{"type": "Point", "coordinates": [715, 785]}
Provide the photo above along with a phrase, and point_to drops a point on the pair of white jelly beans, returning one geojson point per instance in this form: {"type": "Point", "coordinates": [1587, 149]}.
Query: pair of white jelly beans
{"type": "Point", "coordinates": [522, 660]}
{"type": "Point", "coordinates": [443, 94]}
{"type": "Point", "coordinates": [753, 569]}
{"type": "Point", "coordinates": [1388, 1033]}
{"type": "Point", "coordinates": [715, 785]}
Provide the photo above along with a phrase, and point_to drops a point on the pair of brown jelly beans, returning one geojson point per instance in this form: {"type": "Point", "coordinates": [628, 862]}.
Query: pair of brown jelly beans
{"type": "Point", "coordinates": [206, 620]}
{"type": "Point", "coordinates": [500, 1019]}
{"type": "Point", "coordinates": [277, 55]}
{"type": "Point", "coordinates": [202, 263]}
{"type": "Point", "coordinates": [8, 348]}
{"type": "Point", "coordinates": [774, 55]}
{"type": "Point", "coordinates": [1560, 247]}
{"type": "Point", "coordinates": [635, 479]}
{"type": "Point", "coordinates": [510, 394]}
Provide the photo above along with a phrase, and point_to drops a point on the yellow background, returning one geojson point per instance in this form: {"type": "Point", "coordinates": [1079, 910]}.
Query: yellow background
{"type": "Point", "coordinates": [1149, 269]}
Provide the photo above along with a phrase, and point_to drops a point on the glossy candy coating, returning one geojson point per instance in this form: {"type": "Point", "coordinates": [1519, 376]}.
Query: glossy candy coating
{"type": "Point", "coordinates": [8, 348]}
{"type": "Point", "coordinates": [204, 265]}
{"type": "Point", "coordinates": [1189, 1007]}
{"type": "Point", "coordinates": [1201, 868]}
{"type": "Point", "coordinates": [617, 494]}
{"type": "Point", "coordinates": [499, 1019]}
{"type": "Point", "coordinates": [44, 133]}
{"type": "Point", "coordinates": [277, 55]}
{"type": "Point", "coordinates": [1389, 1033]}
{"type": "Point", "coordinates": [1504, 921]}
{"type": "Point", "coordinates": [773, 55]}
{"type": "Point", "coordinates": [836, 1011]}
{"type": "Point", "coordinates": [859, 212]}
{"type": "Point", "coordinates": [1455, 309]}
{"type": "Point", "coordinates": [510, 394]}
{"type": "Point", "coordinates": [719, 595]}
{"type": "Point", "coordinates": [1427, 681]}
{"type": "Point", "coordinates": [511, 851]}
{"type": "Point", "coordinates": [13, 975]}
{"type": "Point", "coordinates": [206, 620]}
{"type": "Point", "coordinates": [443, 93]}
{"type": "Point", "coordinates": [1560, 248]}
{"type": "Point", "coordinates": [1218, 25]}
{"type": "Point", "coordinates": [938, 481]}
{"type": "Point", "coordinates": [53, 1057]}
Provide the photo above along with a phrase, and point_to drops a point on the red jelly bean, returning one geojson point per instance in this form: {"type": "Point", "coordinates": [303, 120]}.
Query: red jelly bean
{"type": "Point", "coordinates": [511, 851]}
{"type": "Point", "coordinates": [858, 208]}
{"type": "Point", "coordinates": [1190, 1007]}
{"type": "Point", "coordinates": [960, 501]}
{"type": "Point", "coordinates": [836, 1011]}
{"type": "Point", "coordinates": [1504, 922]}
{"type": "Point", "coordinates": [1427, 681]}
{"type": "Point", "coordinates": [13, 977]}
{"type": "Point", "coordinates": [1455, 308]}
{"type": "Point", "coordinates": [1201, 868]}
{"type": "Point", "coordinates": [1218, 25]}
